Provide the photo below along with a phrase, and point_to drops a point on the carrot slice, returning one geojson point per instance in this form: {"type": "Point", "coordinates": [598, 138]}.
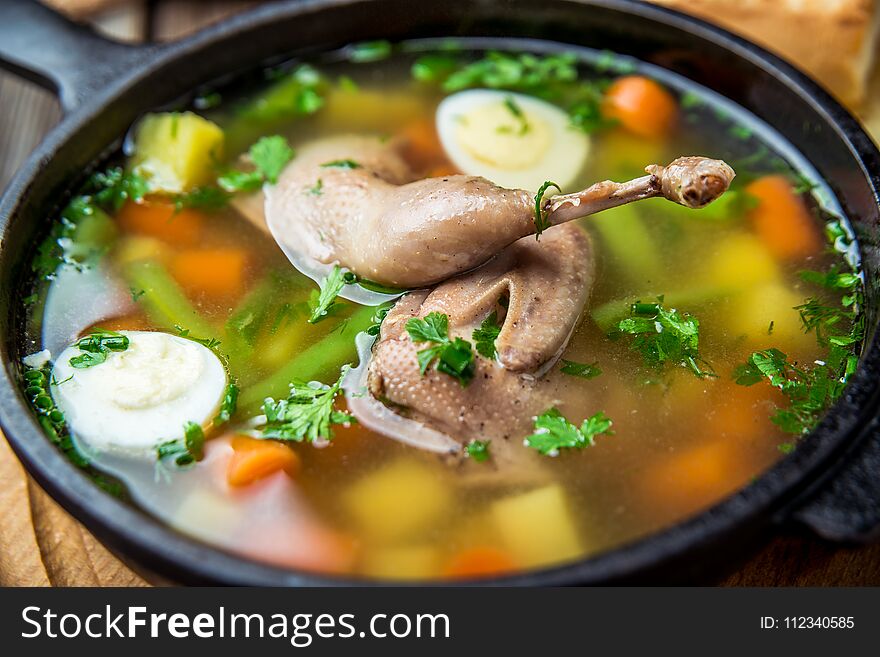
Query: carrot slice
{"type": "Point", "coordinates": [781, 219]}
{"type": "Point", "coordinates": [163, 221]}
{"type": "Point", "coordinates": [254, 459]}
{"type": "Point", "coordinates": [641, 106]}
{"type": "Point", "coordinates": [484, 561]}
{"type": "Point", "coordinates": [215, 272]}
{"type": "Point", "coordinates": [422, 148]}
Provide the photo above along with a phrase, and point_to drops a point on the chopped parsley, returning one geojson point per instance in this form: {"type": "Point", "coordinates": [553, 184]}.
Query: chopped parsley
{"type": "Point", "coordinates": [551, 77]}
{"type": "Point", "coordinates": [809, 390]}
{"type": "Point", "coordinates": [369, 51]}
{"type": "Point", "coordinates": [663, 335]}
{"type": "Point", "coordinates": [485, 336]}
{"type": "Point", "coordinates": [269, 155]}
{"type": "Point", "coordinates": [478, 450]}
{"type": "Point", "coordinates": [433, 68]}
{"type": "Point", "coordinates": [377, 319]}
{"type": "Point", "coordinates": [583, 370]}
{"type": "Point", "coordinates": [229, 404]}
{"type": "Point", "coordinates": [49, 416]}
{"type": "Point", "coordinates": [307, 414]}
{"type": "Point", "coordinates": [541, 223]}
{"type": "Point", "coordinates": [96, 346]}
{"type": "Point", "coordinates": [553, 432]}
{"type": "Point", "coordinates": [453, 357]}
{"type": "Point", "coordinates": [323, 302]}
{"type": "Point", "coordinates": [518, 114]}
{"type": "Point", "coordinates": [317, 189]}
{"type": "Point", "coordinates": [184, 451]}
{"type": "Point", "coordinates": [341, 164]}
{"type": "Point", "coordinates": [210, 343]}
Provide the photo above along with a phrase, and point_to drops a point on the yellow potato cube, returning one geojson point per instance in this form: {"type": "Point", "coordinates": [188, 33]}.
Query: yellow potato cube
{"type": "Point", "coordinates": [176, 151]}
{"type": "Point", "coordinates": [398, 501]}
{"type": "Point", "coordinates": [537, 527]}
{"type": "Point", "coordinates": [740, 261]}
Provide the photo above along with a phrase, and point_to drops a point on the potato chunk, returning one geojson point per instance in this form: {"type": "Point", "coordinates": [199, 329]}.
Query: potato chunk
{"type": "Point", "coordinates": [537, 528]}
{"type": "Point", "coordinates": [397, 501]}
{"type": "Point", "coordinates": [176, 151]}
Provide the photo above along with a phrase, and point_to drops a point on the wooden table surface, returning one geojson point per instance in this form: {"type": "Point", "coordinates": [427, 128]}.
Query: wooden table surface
{"type": "Point", "coordinates": [41, 545]}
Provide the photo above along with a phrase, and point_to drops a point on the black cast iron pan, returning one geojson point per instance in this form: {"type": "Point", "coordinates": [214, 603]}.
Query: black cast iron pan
{"type": "Point", "coordinates": [830, 485]}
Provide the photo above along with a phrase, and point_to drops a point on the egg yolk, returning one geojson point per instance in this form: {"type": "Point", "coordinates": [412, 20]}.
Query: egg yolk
{"type": "Point", "coordinates": [501, 137]}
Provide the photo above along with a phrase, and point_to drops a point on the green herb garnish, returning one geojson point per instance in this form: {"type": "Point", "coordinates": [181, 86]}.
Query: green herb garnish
{"type": "Point", "coordinates": [317, 189]}
{"type": "Point", "coordinates": [228, 406]}
{"type": "Point", "coordinates": [663, 335]}
{"type": "Point", "coordinates": [184, 451]}
{"type": "Point", "coordinates": [809, 390]}
{"type": "Point", "coordinates": [553, 432]}
{"type": "Point", "coordinates": [269, 155]}
{"type": "Point", "coordinates": [485, 336]}
{"type": "Point", "coordinates": [369, 51]}
{"type": "Point", "coordinates": [541, 223]}
{"type": "Point", "coordinates": [379, 317]}
{"type": "Point", "coordinates": [453, 357]}
{"type": "Point", "coordinates": [433, 68]}
{"type": "Point", "coordinates": [518, 114]}
{"type": "Point", "coordinates": [583, 370]}
{"type": "Point", "coordinates": [341, 164]}
{"type": "Point", "coordinates": [307, 413]}
{"type": "Point", "coordinates": [50, 417]}
{"type": "Point", "coordinates": [96, 346]}
{"type": "Point", "coordinates": [210, 343]}
{"type": "Point", "coordinates": [323, 302]}
{"type": "Point", "coordinates": [478, 450]}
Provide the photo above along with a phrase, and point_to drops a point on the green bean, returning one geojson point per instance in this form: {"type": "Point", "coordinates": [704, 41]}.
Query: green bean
{"type": "Point", "coordinates": [163, 301]}
{"type": "Point", "coordinates": [321, 359]}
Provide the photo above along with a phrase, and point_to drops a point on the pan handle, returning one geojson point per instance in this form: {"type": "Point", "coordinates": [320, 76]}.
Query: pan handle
{"type": "Point", "coordinates": [67, 58]}
{"type": "Point", "coordinates": [845, 505]}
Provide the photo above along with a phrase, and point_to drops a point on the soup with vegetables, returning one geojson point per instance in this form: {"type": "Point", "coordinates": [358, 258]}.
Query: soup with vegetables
{"type": "Point", "coordinates": [384, 313]}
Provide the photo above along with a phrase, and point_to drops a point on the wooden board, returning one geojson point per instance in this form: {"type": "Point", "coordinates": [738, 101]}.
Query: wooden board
{"type": "Point", "coordinates": [41, 545]}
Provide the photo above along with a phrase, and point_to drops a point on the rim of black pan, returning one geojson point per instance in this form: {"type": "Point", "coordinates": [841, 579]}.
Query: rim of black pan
{"type": "Point", "coordinates": [170, 553]}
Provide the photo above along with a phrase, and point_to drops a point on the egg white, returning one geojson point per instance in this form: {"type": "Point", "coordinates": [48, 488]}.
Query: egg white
{"type": "Point", "coordinates": [140, 397]}
{"type": "Point", "coordinates": [483, 136]}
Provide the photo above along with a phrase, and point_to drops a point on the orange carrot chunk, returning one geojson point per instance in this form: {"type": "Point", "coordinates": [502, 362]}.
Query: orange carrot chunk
{"type": "Point", "coordinates": [254, 459]}
{"type": "Point", "coordinates": [162, 221]}
{"type": "Point", "coordinates": [781, 219]}
{"type": "Point", "coordinates": [215, 272]}
{"type": "Point", "coordinates": [422, 147]}
{"type": "Point", "coordinates": [641, 106]}
{"type": "Point", "coordinates": [479, 562]}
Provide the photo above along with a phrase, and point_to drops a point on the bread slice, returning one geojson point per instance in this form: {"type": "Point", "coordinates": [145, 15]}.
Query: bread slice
{"type": "Point", "coordinates": [833, 40]}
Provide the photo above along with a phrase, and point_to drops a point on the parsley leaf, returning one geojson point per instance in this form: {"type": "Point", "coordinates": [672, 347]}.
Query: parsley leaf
{"type": "Point", "coordinates": [583, 370]}
{"type": "Point", "coordinates": [541, 223]}
{"type": "Point", "coordinates": [323, 302]}
{"type": "Point", "coordinates": [478, 450]}
{"type": "Point", "coordinates": [377, 318]}
{"type": "Point", "coordinates": [809, 391]}
{"type": "Point", "coordinates": [229, 404]}
{"type": "Point", "coordinates": [269, 155]}
{"type": "Point", "coordinates": [96, 346]}
{"type": "Point", "coordinates": [341, 164]}
{"type": "Point", "coordinates": [662, 335]}
{"type": "Point", "coordinates": [369, 51]}
{"type": "Point", "coordinates": [485, 336]}
{"type": "Point", "coordinates": [307, 413]}
{"type": "Point", "coordinates": [553, 432]}
{"type": "Point", "coordinates": [184, 451]}
{"type": "Point", "coordinates": [453, 357]}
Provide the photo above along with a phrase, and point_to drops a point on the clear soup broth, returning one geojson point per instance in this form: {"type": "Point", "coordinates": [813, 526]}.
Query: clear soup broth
{"type": "Point", "coordinates": [364, 504]}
